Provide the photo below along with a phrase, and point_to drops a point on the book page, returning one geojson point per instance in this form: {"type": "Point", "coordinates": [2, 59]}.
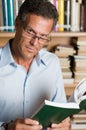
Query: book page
{"type": "Point", "coordinates": [79, 91]}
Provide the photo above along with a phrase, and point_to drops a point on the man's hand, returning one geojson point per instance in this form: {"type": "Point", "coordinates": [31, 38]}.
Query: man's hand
{"type": "Point", "coordinates": [24, 124]}
{"type": "Point", "coordinates": [64, 125]}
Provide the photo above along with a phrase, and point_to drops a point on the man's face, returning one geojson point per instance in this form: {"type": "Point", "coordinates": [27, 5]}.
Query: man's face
{"type": "Point", "coordinates": [32, 36]}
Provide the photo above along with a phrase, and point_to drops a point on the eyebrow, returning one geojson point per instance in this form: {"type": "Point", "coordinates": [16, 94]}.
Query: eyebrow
{"type": "Point", "coordinates": [28, 27]}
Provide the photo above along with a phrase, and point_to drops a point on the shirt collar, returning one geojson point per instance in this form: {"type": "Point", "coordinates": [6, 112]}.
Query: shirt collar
{"type": "Point", "coordinates": [6, 52]}
{"type": "Point", "coordinates": [40, 58]}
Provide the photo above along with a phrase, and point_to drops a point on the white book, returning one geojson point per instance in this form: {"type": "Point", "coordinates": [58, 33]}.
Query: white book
{"type": "Point", "coordinates": [77, 17]}
{"type": "Point", "coordinates": [78, 126]}
{"type": "Point", "coordinates": [73, 15]}
{"type": "Point", "coordinates": [16, 8]}
{"type": "Point", "coordinates": [79, 91]}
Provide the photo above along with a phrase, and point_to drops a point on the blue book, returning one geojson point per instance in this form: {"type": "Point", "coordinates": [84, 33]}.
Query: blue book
{"type": "Point", "coordinates": [5, 13]}
{"type": "Point", "coordinates": [11, 17]}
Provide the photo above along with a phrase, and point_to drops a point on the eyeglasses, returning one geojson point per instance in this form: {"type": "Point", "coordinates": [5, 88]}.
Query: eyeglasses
{"type": "Point", "coordinates": [31, 34]}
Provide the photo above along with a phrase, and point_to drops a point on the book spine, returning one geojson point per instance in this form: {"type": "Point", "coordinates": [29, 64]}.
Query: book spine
{"type": "Point", "coordinates": [55, 2]}
{"type": "Point", "coordinates": [78, 16]}
{"type": "Point", "coordinates": [73, 15]}
{"type": "Point", "coordinates": [67, 14]}
{"type": "Point", "coordinates": [10, 8]}
{"type": "Point", "coordinates": [82, 16]}
{"type": "Point", "coordinates": [51, 1]}
{"type": "Point", "coordinates": [15, 8]}
{"type": "Point", "coordinates": [85, 15]}
{"type": "Point", "coordinates": [61, 15]}
{"type": "Point", "coordinates": [20, 2]}
{"type": "Point", "coordinates": [5, 14]}
{"type": "Point", "coordinates": [1, 14]}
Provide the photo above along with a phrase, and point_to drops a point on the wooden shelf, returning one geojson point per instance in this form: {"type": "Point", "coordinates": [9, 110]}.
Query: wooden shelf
{"type": "Point", "coordinates": [6, 34]}
{"type": "Point", "coordinates": [68, 34]}
{"type": "Point", "coordinates": [53, 34]}
{"type": "Point", "coordinates": [63, 38]}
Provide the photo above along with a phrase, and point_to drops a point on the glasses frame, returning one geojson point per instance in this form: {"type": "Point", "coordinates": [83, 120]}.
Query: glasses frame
{"type": "Point", "coordinates": [33, 35]}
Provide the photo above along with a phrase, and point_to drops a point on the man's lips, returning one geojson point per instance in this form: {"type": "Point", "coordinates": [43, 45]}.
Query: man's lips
{"type": "Point", "coordinates": [30, 49]}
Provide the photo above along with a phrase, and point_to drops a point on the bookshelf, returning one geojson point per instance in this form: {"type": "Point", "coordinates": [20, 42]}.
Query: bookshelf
{"type": "Point", "coordinates": [68, 34]}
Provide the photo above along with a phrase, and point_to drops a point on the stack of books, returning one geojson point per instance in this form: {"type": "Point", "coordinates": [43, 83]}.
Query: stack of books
{"type": "Point", "coordinates": [64, 53]}
{"type": "Point", "coordinates": [80, 59]}
{"type": "Point", "coordinates": [78, 121]}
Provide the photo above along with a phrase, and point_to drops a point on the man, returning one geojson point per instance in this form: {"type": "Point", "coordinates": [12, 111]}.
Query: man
{"type": "Point", "coordinates": [28, 74]}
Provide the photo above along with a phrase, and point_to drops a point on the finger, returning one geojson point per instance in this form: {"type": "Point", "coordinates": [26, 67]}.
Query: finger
{"type": "Point", "coordinates": [60, 125]}
{"type": "Point", "coordinates": [61, 128]}
{"type": "Point", "coordinates": [30, 121]}
{"type": "Point", "coordinates": [20, 126]}
{"type": "Point", "coordinates": [66, 120]}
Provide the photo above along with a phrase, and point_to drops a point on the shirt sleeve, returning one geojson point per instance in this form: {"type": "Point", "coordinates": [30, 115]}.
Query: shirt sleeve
{"type": "Point", "coordinates": [1, 123]}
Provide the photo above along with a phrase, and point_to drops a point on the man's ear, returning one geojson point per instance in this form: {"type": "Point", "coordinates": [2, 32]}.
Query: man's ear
{"type": "Point", "coordinates": [17, 23]}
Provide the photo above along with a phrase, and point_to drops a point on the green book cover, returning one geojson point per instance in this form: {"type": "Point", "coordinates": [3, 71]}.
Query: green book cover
{"type": "Point", "coordinates": [52, 112]}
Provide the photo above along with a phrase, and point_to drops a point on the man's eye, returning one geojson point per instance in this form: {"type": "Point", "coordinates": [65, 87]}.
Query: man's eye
{"type": "Point", "coordinates": [43, 36]}
{"type": "Point", "coordinates": [30, 31]}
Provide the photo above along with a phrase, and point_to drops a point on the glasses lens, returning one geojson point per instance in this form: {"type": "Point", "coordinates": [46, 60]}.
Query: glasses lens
{"type": "Point", "coordinates": [43, 40]}
{"type": "Point", "coordinates": [32, 35]}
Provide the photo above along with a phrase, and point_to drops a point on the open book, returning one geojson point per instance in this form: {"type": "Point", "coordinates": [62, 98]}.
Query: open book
{"type": "Point", "coordinates": [51, 112]}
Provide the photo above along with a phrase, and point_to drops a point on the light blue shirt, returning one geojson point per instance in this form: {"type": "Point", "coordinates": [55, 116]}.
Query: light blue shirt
{"type": "Point", "coordinates": [21, 93]}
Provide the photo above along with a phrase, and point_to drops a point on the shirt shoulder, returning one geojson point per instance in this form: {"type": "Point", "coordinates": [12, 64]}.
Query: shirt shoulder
{"type": "Point", "coordinates": [45, 53]}
{"type": "Point", "coordinates": [48, 57]}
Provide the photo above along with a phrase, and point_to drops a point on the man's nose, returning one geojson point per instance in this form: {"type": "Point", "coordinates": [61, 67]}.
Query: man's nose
{"type": "Point", "coordinates": [35, 40]}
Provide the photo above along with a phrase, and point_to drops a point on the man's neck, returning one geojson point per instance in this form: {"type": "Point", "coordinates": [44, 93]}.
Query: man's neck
{"type": "Point", "coordinates": [20, 59]}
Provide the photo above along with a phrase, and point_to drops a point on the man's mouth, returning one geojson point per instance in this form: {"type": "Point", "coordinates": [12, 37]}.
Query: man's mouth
{"type": "Point", "coordinates": [30, 49]}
